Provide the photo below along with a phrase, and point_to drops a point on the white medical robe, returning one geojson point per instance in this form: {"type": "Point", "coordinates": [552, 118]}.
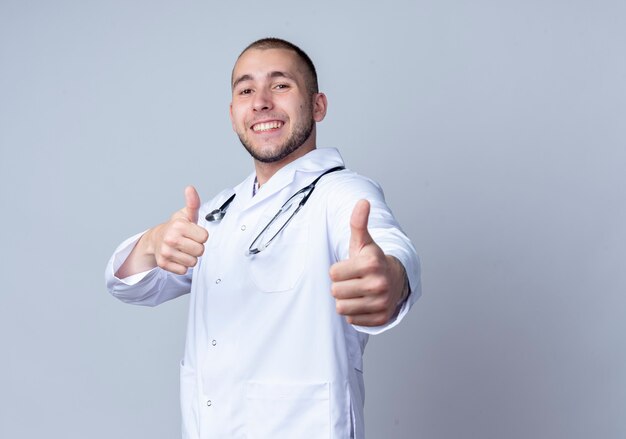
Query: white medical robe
{"type": "Point", "coordinates": [267, 356]}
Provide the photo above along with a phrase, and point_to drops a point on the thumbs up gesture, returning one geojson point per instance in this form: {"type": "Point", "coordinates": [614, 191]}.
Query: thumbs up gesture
{"type": "Point", "coordinates": [369, 285]}
{"type": "Point", "coordinates": [174, 245]}
{"type": "Point", "coordinates": [179, 242]}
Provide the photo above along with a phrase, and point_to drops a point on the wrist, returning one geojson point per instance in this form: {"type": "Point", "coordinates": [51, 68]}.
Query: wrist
{"type": "Point", "coordinates": [147, 242]}
{"type": "Point", "coordinates": [405, 288]}
{"type": "Point", "coordinates": [402, 280]}
{"type": "Point", "coordinates": [144, 253]}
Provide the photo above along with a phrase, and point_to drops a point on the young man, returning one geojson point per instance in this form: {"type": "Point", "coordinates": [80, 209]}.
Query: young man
{"type": "Point", "coordinates": [288, 272]}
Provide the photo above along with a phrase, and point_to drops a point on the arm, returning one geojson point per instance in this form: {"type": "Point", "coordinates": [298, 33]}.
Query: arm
{"type": "Point", "coordinates": [376, 280]}
{"type": "Point", "coordinates": [369, 286]}
{"type": "Point", "coordinates": [173, 246]}
{"type": "Point", "coordinates": [152, 268]}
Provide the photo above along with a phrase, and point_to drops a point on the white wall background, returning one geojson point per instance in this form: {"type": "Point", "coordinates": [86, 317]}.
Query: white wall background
{"type": "Point", "coordinates": [497, 129]}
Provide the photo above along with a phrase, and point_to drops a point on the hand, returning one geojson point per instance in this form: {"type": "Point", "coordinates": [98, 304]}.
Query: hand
{"type": "Point", "coordinates": [369, 285]}
{"type": "Point", "coordinates": [178, 243]}
{"type": "Point", "coordinates": [174, 246]}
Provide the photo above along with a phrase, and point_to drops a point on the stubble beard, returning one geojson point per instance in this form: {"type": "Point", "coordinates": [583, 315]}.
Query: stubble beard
{"type": "Point", "coordinates": [300, 135]}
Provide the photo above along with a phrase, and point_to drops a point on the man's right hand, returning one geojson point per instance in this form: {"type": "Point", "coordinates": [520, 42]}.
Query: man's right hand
{"type": "Point", "coordinates": [173, 246]}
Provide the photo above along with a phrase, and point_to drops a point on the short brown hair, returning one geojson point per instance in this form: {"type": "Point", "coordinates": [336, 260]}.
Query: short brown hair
{"type": "Point", "coordinates": [277, 43]}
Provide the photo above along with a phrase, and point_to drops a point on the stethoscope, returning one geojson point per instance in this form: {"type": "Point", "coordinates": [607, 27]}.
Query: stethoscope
{"type": "Point", "coordinates": [220, 212]}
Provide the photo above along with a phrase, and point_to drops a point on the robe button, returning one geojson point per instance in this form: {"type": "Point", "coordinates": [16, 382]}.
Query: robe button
{"type": "Point", "coordinates": [217, 281]}
{"type": "Point", "coordinates": [209, 403]}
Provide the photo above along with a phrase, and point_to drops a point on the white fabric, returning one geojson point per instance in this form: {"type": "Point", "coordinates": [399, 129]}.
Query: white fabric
{"type": "Point", "coordinates": [266, 355]}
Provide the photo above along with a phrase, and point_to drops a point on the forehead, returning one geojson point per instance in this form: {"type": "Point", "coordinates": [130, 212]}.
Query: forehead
{"type": "Point", "coordinates": [259, 63]}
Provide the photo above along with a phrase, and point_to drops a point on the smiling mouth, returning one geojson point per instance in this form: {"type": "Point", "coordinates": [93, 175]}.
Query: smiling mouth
{"type": "Point", "coordinates": [267, 126]}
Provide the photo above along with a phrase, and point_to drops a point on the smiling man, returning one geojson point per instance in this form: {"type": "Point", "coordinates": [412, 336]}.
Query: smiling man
{"type": "Point", "coordinates": [275, 110]}
{"type": "Point", "coordinates": [289, 272]}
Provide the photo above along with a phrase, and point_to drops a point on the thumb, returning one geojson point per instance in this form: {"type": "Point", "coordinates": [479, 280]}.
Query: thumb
{"type": "Point", "coordinates": [359, 236]}
{"type": "Point", "coordinates": [192, 204]}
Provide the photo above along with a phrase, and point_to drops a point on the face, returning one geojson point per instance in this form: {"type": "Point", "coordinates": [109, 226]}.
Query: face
{"type": "Point", "coordinates": [271, 110]}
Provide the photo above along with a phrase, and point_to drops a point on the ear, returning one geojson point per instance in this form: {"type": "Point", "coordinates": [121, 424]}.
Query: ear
{"type": "Point", "coordinates": [320, 105]}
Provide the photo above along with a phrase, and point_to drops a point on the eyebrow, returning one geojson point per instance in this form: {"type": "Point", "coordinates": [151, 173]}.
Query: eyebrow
{"type": "Point", "coordinates": [275, 74]}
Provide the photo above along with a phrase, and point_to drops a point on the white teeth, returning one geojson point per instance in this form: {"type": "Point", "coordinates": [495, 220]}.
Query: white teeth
{"type": "Point", "coordinates": [264, 126]}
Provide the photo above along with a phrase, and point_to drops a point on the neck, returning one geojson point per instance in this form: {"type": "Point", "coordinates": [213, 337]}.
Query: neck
{"type": "Point", "coordinates": [265, 171]}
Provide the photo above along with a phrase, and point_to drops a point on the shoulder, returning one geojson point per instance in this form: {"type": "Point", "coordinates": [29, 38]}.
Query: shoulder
{"type": "Point", "coordinates": [345, 185]}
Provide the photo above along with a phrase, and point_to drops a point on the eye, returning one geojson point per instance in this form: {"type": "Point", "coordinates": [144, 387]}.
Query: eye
{"type": "Point", "coordinates": [281, 86]}
{"type": "Point", "coordinates": [245, 91]}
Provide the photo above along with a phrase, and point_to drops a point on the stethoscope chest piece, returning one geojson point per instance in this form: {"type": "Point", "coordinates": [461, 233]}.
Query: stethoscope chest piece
{"type": "Point", "coordinates": [215, 215]}
{"type": "Point", "coordinates": [220, 212]}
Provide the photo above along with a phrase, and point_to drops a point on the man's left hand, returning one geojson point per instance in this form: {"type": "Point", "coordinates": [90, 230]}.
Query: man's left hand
{"type": "Point", "coordinates": [369, 285]}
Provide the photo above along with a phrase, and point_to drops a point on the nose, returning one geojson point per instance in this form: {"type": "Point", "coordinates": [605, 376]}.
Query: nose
{"type": "Point", "coordinates": [262, 100]}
